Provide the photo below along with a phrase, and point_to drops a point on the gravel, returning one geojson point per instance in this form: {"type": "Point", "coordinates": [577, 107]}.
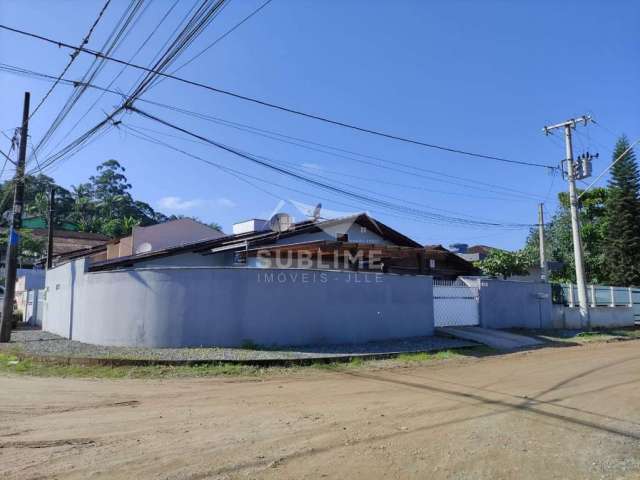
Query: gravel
{"type": "Point", "coordinates": [40, 343]}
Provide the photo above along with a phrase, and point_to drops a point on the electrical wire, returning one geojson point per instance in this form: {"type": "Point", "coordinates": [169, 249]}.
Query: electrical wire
{"type": "Point", "coordinates": [220, 38]}
{"type": "Point", "coordinates": [595, 180]}
{"type": "Point", "coordinates": [264, 103]}
{"type": "Point", "coordinates": [378, 181]}
{"type": "Point", "coordinates": [456, 180]}
{"type": "Point", "coordinates": [139, 49]}
{"type": "Point", "coordinates": [74, 55]}
{"type": "Point", "coordinates": [243, 177]}
{"type": "Point", "coordinates": [203, 16]}
{"type": "Point", "coordinates": [113, 41]}
{"type": "Point", "coordinates": [319, 184]}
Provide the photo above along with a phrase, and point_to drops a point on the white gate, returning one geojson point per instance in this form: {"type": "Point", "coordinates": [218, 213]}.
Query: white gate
{"type": "Point", "coordinates": [455, 304]}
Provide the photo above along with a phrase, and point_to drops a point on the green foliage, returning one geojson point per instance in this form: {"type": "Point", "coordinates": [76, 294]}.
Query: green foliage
{"type": "Point", "coordinates": [102, 205]}
{"type": "Point", "coordinates": [500, 263]}
{"type": "Point", "coordinates": [623, 209]}
{"type": "Point", "coordinates": [610, 228]}
{"type": "Point", "coordinates": [559, 243]}
{"type": "Point", "coordinates": [29, 248]}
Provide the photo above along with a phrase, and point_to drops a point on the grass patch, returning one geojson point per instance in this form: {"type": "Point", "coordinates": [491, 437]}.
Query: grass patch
{"type": "Point", "coordinates": [427, 356]}
{"type": "Point", "coordinates": [11, 364]}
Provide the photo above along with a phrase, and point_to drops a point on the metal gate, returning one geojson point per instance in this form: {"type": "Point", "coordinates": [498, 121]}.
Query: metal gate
{"type": "Point", "coordinates": [455, 304]}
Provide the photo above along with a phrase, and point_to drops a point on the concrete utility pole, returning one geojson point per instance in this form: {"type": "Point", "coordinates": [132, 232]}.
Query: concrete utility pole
{"type": "Point", "coordinates": [543, 262]}
{"type": "Point", "coordinates": [51, 224]}
{"type": "Point", "coordinates": [11, 262]}
{"type": "Point", "coordinates": [572, 176]}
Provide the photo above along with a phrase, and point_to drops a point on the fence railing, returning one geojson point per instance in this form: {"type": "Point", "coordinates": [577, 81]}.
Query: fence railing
{"type": "Point", "coordinates": [599, 296]}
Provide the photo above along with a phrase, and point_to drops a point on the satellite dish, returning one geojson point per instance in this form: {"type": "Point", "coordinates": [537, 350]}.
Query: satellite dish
{"type": "Point", "coordinates": [144, 248]}
{"type": "Point", "coordinates": [316, 212]}
{"type": "Point", "coordinates": [281, 222]}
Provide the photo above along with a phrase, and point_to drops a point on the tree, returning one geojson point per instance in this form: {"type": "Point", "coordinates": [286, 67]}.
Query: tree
{"type": "Point", "coordinates": [559, 241]}
{"type": "Point", "coordinates": [500, 263]}
{"type": "Point", "coordinates": [104, 204]}
{"type": "Point", "coordinates": [623, 210]}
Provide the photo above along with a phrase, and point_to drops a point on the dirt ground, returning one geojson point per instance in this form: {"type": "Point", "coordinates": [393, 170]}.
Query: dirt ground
{"type": "Point", "coordinates": [570, 413]}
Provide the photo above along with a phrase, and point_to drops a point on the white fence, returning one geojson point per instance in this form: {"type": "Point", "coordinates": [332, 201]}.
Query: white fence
{"type": "Point", "coordinates": [455, 304]}
{"type": "Point", "coordinates": [604, 296]}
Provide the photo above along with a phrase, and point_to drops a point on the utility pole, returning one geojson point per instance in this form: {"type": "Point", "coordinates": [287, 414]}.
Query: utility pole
{"type": "Point", "coordinates": [573, 174]}
{"type": "Point", "coordinates": [13, 239]}
{"type": "Point", "coordinates": [543, 262]}
{"type": "Point", "coordinates": [51, 224]}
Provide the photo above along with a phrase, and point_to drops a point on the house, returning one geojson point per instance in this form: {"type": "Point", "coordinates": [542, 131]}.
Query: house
{"type": "Point", "coordinates": [353, 243]}
{"type": "Point", "coordinates": [474, 253]}
{"type": "Point", "coordinates": [345, 280]}
{"type": "Point", "coordinates": [145, 240]}
{"type": "Point", "coordinates": [64, 242]}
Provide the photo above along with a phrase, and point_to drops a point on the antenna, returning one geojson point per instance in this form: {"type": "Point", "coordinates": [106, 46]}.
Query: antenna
{"type": "Point", "coordinates": [316, 212]}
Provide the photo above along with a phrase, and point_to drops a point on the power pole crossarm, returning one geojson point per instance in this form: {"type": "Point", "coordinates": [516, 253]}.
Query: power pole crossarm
{"type": "Point", "coordinates": [575, 221]}
{"type": "Point", "coordinates": [13, 240]}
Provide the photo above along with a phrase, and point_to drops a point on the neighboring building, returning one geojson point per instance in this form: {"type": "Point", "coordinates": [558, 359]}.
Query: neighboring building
{"type": "Point", "coordinates": [65, 241]}
{"type": "Point", "coordinates": [472, 254]}
{"type": "Point", "coordinates": [147, 240]}
{"type": "Point", "coordinates": [312, 282]}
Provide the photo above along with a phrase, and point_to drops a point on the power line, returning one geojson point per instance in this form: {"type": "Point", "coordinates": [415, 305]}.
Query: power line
{"type": "Point", "coordinates": [595, 180]}
{"type": "Point", "coordinates": [296, 168]}
{"type": "Point", "coordinates": [111, 44]}
{"type": "Point", "coordinates": [74, 55]}
{"type": "Point", "coordinates": [280, 107]}
{"type": "Point", "coordinates": [221, 37]}
{"type": "Point", "coordinates": [203, 16]}
{"type": "Point", "coordinates": [243, 177]}
{"type": "Point", "coordinates": [311, 145]}
{"type": "Point", "coordinates": [319, 184]}
{"type": "Point", "coordinates": [377, 180]}
{"type": "Point", "coordinates": [82, 117]}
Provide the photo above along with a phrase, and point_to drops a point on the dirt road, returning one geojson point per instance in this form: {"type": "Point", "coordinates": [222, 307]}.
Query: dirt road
{"type": "Point", "coordinates": [552, 413]}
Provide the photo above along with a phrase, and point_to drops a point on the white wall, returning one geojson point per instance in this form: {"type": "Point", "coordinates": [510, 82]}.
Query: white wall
{"type": "Point", "coordinates": [175, 307]}
{"type": "Point", "coordinates": [353, 230]}
{"type": "Point", "coordinates": [171, 234]}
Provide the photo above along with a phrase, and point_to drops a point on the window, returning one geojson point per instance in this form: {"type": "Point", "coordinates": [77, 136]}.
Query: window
{"type": "Point", "coordinates": [342, 237]}
{"type": "Point", "coordinates": [363, 229]}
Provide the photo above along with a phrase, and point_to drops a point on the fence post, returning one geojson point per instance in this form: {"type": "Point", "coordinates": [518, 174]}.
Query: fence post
{"type": "Point", "coordinates": [592, 289]}
{"type": "Point", "coordinates": [630, 297]}
{"type": "Point", "coordinates": [613, 297]}
{"type": "Point", "coordinates": [571, 301]}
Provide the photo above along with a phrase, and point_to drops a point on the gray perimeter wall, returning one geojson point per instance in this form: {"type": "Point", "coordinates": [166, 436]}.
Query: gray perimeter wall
{"type": "Point", "coordinates": [176, 307]}
{"type": "Point", "coordinates": [505, 304]}
{"type": "Point", "coordinates": [600, 317]}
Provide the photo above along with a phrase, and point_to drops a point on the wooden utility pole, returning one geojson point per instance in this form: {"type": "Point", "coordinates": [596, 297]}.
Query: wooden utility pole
{"type": "Point", "coordinates": [13, 240]}
{"type": "Point", "coordinates": [543, 261]}
{"type": "Point", "coordinates": [51, 222]}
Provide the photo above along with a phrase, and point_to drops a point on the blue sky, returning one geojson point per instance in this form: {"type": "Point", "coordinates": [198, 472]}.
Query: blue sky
{"type": "Point", "coordinates": [480, 76]}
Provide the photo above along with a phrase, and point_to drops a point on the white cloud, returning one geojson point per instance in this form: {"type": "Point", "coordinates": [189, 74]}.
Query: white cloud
{"type": "Point", "coordinates": [311, 166]}
{"type": "Point", "coordinates": [225, 202]}
{"type": "Point", "coordinates": [178, 204]}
